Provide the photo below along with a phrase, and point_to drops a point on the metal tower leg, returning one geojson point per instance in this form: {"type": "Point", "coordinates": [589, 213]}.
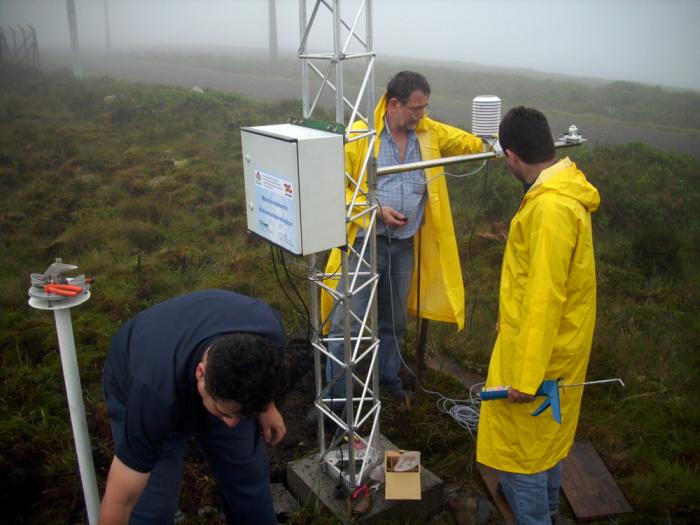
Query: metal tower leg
{"type": "Point", "coordinates": [353, 447]}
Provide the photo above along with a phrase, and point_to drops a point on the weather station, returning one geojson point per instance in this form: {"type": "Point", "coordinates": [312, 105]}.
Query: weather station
{"type": "Point", "coordinates": [299, 199]}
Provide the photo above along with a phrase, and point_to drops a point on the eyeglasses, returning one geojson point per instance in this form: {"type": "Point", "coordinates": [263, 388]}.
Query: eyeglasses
{"type": "Point", "coordinates": [418, 110]}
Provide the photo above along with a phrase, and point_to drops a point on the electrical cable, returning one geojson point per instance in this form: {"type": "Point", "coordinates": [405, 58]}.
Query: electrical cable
{"type": "Point", "coordinates": [304, 316]}
{"type": "Point", "coordinates": [444, 173]}
{"type": "Point", "coordinates": [476, 218]}
{"type": "Point", "coordinates": [464, 411]}
{"type": "Point", "coordinates": [309, 268]}
{"type": "Point", "coordinates": [307, 317]}
{"type": "Point", "coordinates": [469, 248]}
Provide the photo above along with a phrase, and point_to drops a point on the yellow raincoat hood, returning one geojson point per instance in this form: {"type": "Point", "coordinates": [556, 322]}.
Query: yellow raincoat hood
{"type": "Point", "coordinates": [441, 296]}
{"type": "Point", "coordinates": [546, 319]}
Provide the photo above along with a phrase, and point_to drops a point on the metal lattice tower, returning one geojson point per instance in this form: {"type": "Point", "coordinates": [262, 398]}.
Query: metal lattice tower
{"type": "Point", "coordinates": [359, 369]}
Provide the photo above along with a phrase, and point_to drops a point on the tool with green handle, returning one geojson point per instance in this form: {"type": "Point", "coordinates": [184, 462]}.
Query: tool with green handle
{"type": "Point", "coordinates": [548, 389]}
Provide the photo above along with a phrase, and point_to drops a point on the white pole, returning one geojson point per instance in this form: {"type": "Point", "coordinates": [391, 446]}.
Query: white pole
{"type": "Point", "coordinates": [74, 393]}
{"type": "Point", "coordinates": [74, 45]}
{"type": "Point", "coordinates": [108, 37]}
{"type": "Point", "coordinates": [272, 17]}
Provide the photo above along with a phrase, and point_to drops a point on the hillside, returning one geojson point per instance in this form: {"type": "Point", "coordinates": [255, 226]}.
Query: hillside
{"type": "Point", "coordinates": [607, 113]}
{"type": "Point", "coordinates": [141, 187]}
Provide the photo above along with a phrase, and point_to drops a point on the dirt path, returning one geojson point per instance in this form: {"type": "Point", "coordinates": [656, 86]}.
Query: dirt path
{"type": "Point", "coordinates": [285, 84]}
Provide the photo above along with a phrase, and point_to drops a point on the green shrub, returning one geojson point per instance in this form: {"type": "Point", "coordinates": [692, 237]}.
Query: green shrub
{"type": "Point", "coordinates": [146, 210]}
{"type": "Point", "coordinates": [150, 202]}
{"type": "Point", "coordinates": [656, 250]}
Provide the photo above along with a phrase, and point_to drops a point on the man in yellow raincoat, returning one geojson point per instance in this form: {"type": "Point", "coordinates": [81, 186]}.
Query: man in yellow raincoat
{"type": "Point", "coordinates": [546, 319]}
{"type": "Point", "coordinates": [415, 235]}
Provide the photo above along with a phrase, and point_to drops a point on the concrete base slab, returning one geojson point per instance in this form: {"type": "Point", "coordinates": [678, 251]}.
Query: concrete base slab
{"type": "Point", "coordinates": [282, 500]}
{"type": "Point", "coordinates": [311, 485]}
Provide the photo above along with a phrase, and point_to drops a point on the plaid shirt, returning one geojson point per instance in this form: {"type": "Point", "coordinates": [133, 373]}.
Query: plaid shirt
{"type": "Point", "coordinates": [405, 192]}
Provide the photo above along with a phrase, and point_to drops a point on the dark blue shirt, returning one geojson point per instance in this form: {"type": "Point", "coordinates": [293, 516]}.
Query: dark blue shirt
{"type": "Point", "coordinates": [151, 366]}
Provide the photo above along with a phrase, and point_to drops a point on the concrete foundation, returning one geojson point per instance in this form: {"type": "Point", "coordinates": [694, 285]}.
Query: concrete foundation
{"type": "Point", "coordinates": [282, 500]}
{"type": "Point", "coordinates": [311, 485]}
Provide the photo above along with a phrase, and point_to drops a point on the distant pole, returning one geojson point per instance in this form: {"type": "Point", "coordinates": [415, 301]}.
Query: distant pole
{"type": "Point", "coordinates": [3, 45]}
{"type": "Point", "coordinates": [272, 12]}
{"type": "Point", "coordinates": [74, 45]}
{"type": "Point", "coordinates": [36, 60]}
{"type": "Point", "coordinates": [108, 38]}
{"type": "Point", "coordinates": [23, 48]}
{"type": "Point", "coordinates": [14, 43]}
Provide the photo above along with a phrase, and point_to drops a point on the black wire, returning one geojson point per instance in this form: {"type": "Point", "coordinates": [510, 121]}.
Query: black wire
{"type": "Point", "coordinates": [337, 269]}
{"type": "Point", "coordinates": [469, 246]}
{"type": "Point", "coordinates": [307, 317]}
{"type": "Point", "coordinates": [469, 255]}
{"type": "Point", "coordinates": [284, 290]}
{"type": "Point", "coordinates": [307, 278]}
{"type": "Point", "coordinates": [477, 217]}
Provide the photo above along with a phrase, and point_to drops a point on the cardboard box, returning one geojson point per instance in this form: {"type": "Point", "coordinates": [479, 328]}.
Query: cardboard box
{"type": "Point", "coordinates": [400, 485]}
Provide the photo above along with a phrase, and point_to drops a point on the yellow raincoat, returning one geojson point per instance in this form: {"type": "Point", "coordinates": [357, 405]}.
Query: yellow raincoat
{"type": "Point", "coordinates": [546, 319]}
{"type": "Point", "coordinates": [441, 286]}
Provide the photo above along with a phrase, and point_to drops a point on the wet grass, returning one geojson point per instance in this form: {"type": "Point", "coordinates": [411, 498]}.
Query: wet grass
{"type": "Point", "coordinates": [143, 190]}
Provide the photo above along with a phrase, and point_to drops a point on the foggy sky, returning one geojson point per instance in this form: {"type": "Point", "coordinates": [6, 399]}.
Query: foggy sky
{"type": "Point", "coordinates": [650, 41]}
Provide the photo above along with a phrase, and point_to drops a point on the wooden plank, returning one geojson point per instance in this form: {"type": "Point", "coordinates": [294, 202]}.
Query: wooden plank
{"type": "Point", "coordinates": [588, 485]}
{"type": "Point", "coordinates": [490, 478]}
{"type": "Point", "coordinates": [586, 482]}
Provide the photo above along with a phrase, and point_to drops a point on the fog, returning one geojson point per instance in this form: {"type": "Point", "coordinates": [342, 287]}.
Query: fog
{"type": "Point", "coordinates": [650, 41]}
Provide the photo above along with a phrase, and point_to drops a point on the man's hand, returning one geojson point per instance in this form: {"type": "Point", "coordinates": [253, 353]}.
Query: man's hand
{"type": "Point", "coordinates": [515, 396]}
{"type": "Point", "coordinates": [390, 217]}
{"type": "Point", "coordinates": [124, 487]}
{"type": "Point", "coordinates": [272, 424]}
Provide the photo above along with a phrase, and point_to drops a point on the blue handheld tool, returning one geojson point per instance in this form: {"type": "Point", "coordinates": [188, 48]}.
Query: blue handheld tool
{"type": "Point", "coordinates": [548, 389]}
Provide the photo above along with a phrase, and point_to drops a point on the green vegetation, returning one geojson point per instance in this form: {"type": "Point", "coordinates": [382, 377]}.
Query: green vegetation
{"type": "Point", "coordinates": [141, 187]}
{"type": "Point", "coordinates": [459, 83]}
{"type": "Point", "coordinates": [626, 101]}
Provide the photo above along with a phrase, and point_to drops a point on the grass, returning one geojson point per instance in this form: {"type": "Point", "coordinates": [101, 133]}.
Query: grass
{"type": "Point", "coordinates": [676, 109]}
{"type": "Point", "coordinates": [144, 191]}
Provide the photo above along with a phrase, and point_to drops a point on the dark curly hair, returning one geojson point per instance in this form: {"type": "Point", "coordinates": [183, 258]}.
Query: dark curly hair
{"type": "Point", "coordinates": [404, 83]}
{"type": "Point", "coordinates": [525, 131]}
{"type": "Point", "coordinates": [243, 368]}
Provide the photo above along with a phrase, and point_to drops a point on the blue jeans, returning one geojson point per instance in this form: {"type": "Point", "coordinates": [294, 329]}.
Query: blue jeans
{"type": "Point", "coordinates": [533, 498]}
{"type": "Point", "coordinates": [395, 270]}
{"type": "Point", "coordinates": [237, 457]}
